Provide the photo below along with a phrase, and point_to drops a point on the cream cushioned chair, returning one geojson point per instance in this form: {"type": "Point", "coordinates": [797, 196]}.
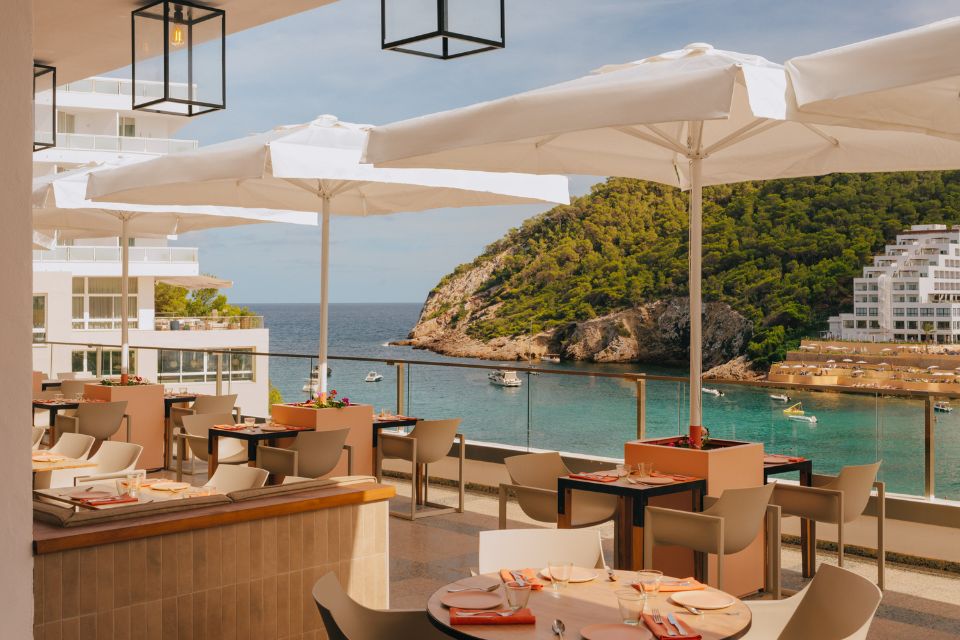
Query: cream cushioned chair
{"type": "Point", "coordinates": [194, 435]}
{"type": "Point", "coordinates": [313, 454]}
{"type": "Point", "coordinates": [228, 478]}
{"type": "Point", "coordinates": [70, 388]}
{"type": "Point", "coordinates": [534, 477]}
{"type": "Point", "coordinates": [836, 605]}
{"type": "Point", "coordinates": [838, 500]}
{"type": "Point", "coordinates": [202, 405]}
{"type": "Point", "coordinates": [98, 419]}
{"type": "Point", "coordinates": [345, 619]}
{"type": "Point", "coordinates": [521, 548]}
{"type": "Point", "coordinates": [72, 445]}
{"type": "Point", "coordinates": [114, 460]}
{"type": "Point", "coordinates": [727, 526]}
{"type": "Point", "coordinates": [38, 433]}
{"type": "Point", "coordinates": [428, 442]}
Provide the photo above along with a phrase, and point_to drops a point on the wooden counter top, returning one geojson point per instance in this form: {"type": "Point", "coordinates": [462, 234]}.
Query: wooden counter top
{"type": "Point", "coordinates": [48, 538]}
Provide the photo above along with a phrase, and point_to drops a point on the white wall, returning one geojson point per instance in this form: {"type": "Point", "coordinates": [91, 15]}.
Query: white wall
{"type": "Point", "coordinates": [16, 132]}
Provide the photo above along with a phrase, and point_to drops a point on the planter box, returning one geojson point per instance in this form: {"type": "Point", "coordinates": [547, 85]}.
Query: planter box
{"type": "Point", "coordinates": [358, 418]}
{"type": "Point", "coordinates": [726, 465]}
{"type": "Point", "coordinates": [145, 408]}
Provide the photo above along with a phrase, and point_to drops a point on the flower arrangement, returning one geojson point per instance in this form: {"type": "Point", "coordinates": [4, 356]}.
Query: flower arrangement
{"type": "Point", "coordinates": [327, 400]}
{"type": "Point", "coordinates": [684, 442]}
{"type": "Point", "coordinates": [132, 381]}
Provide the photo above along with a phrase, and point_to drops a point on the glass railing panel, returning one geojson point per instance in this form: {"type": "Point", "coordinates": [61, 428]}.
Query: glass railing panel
{"type": "Point", "coordinates": [899, 428]}
{"type": "Point", "coordinates": [946, 445]}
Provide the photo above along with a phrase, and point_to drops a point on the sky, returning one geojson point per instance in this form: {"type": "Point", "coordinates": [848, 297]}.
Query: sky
{"type": "Point", "coordinates": [329, 61]}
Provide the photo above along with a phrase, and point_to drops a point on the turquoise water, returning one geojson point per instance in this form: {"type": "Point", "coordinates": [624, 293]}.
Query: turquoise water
{"type": "Point", "coordinates": [597, 415]}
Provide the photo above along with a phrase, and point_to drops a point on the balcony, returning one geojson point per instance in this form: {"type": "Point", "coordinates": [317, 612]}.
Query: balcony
{"type": "Point", "coordinates": [208, 323]}
{"type": "Point", "coordinates": [82, 254]}
{"type": "Point", "coordinates": [123, 144]}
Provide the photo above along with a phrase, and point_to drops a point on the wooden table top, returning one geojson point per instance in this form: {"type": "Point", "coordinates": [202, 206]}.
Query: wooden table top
{"type": "Point", "coordinates": [60, 465]}
{"type": "Point", "coordinates": [580, 605]}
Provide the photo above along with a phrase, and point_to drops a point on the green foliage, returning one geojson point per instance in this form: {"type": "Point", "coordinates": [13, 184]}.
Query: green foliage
{"type": "Point", "coordinates": [274, 397]}
{"type": "Point", "coordinates": [782, 252]}
{"type": "Point", "coordinates": [170, 300]}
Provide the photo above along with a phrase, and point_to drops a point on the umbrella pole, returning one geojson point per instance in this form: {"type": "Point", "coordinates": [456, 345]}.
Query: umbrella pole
{"type": "Point", "coordinates": [696, 300]}
{"type": "Point", "coordinates": [324, 294]}
{"type": "Point", "coordinates": [124, 301]}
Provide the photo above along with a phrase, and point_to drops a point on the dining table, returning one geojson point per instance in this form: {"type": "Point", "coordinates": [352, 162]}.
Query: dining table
{"type": "Point", "coordinates": [50, 384]}
{"type": "Point", "coordinates": [583, 604]}
{"type": "Point", "coordinates": [253, 436]}
{"type": "Point", "coordinates": [75, 496]}
{"type": "Point", "coordinates": [55, 406]}
{"type": "Point", "coordinates": [47, 463]}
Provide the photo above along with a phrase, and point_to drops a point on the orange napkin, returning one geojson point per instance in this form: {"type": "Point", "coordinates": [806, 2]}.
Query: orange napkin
{"type": "Point", "coordinates": [530, 575]}
{"type": "Point", "coordinates": [660, 630]}
{"type": "Point", "coordinates": [102, 502]}
{"type": "Point", "coordinates": [782, 457]}
{"type": "Point", "coordinates": [672, 586]}
{"type": "Point", "coordinates": [594, 477]}
{"type": "Point", "coordinates": [522, 616]}
{"type": "Point", "coordinates": [230, 427]}
{"type": "Point", "coordinates": [675, 476]}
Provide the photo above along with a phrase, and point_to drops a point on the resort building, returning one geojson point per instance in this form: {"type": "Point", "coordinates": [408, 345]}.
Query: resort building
{"type": "Point", "coordinates": [910, 293]}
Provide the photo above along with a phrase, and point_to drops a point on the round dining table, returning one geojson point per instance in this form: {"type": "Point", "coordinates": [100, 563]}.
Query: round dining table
{"type": "Point", "coordinates": [582, 604]}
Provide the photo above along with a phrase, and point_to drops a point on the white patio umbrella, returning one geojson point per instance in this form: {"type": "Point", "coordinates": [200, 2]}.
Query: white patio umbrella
{"type": "Point", "coordinates": [314, 167]}
{"type": "Point", "coordinates": [43, 242]}
{"type": "Point", "coordinates": [60, 206]}
{"type": "Point", "coordinates": [687, 118]}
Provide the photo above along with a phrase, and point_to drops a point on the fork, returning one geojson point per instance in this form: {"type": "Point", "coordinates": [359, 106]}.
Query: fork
{"type": "Point", "coordinates": [659, 620]}
{"type": "Point", "coordinates": [492, 587]}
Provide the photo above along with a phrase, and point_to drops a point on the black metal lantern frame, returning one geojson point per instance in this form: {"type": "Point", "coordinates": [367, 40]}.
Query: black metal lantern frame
{"type": "Point", "coordinates": [452, 44]}
{"type": "Point", "coordinates": [166, 36]}
{"type": "Point", "coordinates": [45, 77]}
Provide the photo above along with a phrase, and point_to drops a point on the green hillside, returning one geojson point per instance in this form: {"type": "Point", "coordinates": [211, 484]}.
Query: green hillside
{"type": "Point", "coordinates": [782, 252]}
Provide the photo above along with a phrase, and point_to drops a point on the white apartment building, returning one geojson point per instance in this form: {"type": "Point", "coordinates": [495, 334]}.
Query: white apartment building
{"type": "Point", "coordinates": [76, 286]}
{"type": "Point", "coordinates": [910, 293]}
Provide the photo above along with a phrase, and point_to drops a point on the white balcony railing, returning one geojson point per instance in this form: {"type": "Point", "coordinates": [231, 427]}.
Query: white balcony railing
{"type": "Point", "coordinates": [97, 142]}
{"type": "Point", "coordinates": [112, 254]}
{"type": "Point", "coordinates": [117, 87]}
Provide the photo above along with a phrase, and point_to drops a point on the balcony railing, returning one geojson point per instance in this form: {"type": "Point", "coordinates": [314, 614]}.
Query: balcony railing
{"type": "Point", "coordinates": [120, 144]}
{"type": "Point", "coordinates": [112, 254]}
{"type": "Point", "coordinates": [208, 323]}
{"type": "Point", "coordinates": [117, 87]}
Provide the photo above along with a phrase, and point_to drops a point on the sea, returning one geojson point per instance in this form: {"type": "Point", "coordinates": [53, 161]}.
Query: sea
{"type": "Point", "coordinates": [596, 415]}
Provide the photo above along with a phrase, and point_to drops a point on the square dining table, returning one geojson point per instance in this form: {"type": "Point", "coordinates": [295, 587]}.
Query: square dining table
{"type": "Point", "coordinates": [253, 437]}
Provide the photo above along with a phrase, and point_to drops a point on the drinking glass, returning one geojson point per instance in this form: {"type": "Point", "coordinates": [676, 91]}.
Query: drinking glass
{"type": "Point", "coordinates": [645, 469]}
{"type": "Point", "coordinates": [517, 594]}
{"type": "Point", "coordinates": [631, 605]}
{"type": "Point", "coordinates": [133, 485]}
{"type": "Point", "coordinates": [623, 470]}
{"type": "Point", "coordinates": [184, 391]}
{"type": "Point", "coordinates": [649, 581]}
{"type": "Point", "coordinates": [560, 571]}
{"type": "Point", "coordinates": [249, 423]}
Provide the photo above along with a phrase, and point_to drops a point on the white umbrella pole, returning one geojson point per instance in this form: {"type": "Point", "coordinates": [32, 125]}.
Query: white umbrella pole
{"type": "Point", "coordinates": [324, 294]}
{"type": "Point", "coordinates": [124, 302]}
{"type": "Point", "coordinates": [696, 301]}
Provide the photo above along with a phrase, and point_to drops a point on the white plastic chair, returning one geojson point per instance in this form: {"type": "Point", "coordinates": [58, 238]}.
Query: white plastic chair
{"type": "Point", "coordinates": [195, 435]}
{"type": "Point", "coordinates": [535, 548]}
{"type": "Point", "coordinates": [228, 478]}
{"type": "Point", "coordinates": [202, 405]}
{"type": "Point", "coordinates": [38, 433]}
{"type": "Point", "coordinates": [836, 605]}
{"type": "Point", "coordinates": [114, 460]}
{"type": "Point", "coordinates": [70, 388]}
{"type": "Point", "coordinates": [98, 419]}
{"type": "Point", "coordinates": [312, 455]}
{"type": "Point", "coordinates": [71, 445]}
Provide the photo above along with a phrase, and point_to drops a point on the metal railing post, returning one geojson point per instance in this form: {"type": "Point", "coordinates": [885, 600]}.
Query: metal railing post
{"type": "Point", "coordinates": [929, 426]}
{"type": "Point", "coordinates": [400, 388]}
{"type": "Point", "coordinates": [100, 362]}
{"type": "Point", "coordinates": [219, 374]}
{"type": "Point", "coordinates": [641, 385]}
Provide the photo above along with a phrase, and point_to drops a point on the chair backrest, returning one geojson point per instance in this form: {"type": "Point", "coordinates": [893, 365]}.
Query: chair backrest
{"type": "Point", "coordinates": [73, 445]}
{"type": "Point", "coordinates": [742, 511]}
{"type": "Point", "coordinates": [856, 482]}
{"type": "Point", "coordinates": [346, 619]}
{"type": "Point", "coordinates": [318, 452]}
{"type": "Point", "coordinates": [536, 548]}
{"type": "Point", "coordinates": [539, 470]}
{"type": "Point", "coordinates": [434, 439]}
{"type": "Point", "coordinates": [199, 425]}
{"type": "Point", "coordinates": [67, 375]}
{"type": "Point", "coordinates": [112, 457]}
{"type": "Point", "coordinates": [215, 404]}
{"type": "Point", "coordinates": [229, 477]}
{"type": "Point", "coordinates": [37, 437]}
{"type": "Point", "coordinates": [70, 388]}
{"type": "Point", "coordinates": [101, 419]}
{"type": "Point", "coordinates": [838, 604]}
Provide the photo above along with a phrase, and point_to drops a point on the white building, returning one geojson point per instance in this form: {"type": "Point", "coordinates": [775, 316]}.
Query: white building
{"type": "Point", "coordinates": [911, 292]}
{"type": "Point", "coordinates": [76, 286]}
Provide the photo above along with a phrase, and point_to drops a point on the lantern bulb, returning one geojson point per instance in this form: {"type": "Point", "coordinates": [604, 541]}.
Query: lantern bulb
{"type": "Point", "coordinates": [177, 37]}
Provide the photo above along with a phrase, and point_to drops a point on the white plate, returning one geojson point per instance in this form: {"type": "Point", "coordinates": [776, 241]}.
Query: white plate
{"type": "Point", "coordinates": [273, 427]}
{"type": "Point", "coordinates": [654, 480]}
{"type": "Point", "coordinates": [170, 486]}
{"type": "Point", "coordinates": [703, 599]}
{"type": "Point", "coordinates": [472, 599]}
{"type": "Point", "coordinates": [82, 494]}
{"type": "Point", "coordinates": [578, 574]}
{"type": "Point", "coordinates": [48, 458]}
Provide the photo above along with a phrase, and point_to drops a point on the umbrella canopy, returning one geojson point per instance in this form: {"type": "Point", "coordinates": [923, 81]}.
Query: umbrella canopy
{"type": "Point", "coordinates": [831, 361]}
{"type": "Point", "coordinates": [192, 283]}
{"type": "Point", "coordinates": [60, 206]}
{"type": "Point", "coordinates": [43, 242]}
{"type": "Point", "coordinates": [687, 118]}
{"type": "Point", "coordinates": [314, 167]}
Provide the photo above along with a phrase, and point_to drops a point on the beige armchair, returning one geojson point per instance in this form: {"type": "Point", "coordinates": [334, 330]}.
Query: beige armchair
{"type": "Point", "coordinates": [429, 441]}
{"type": "Point", "coordinates": [534, 477]}
{"type": "Point", "coordinates": [313, 454]}
{"type": "Point", "coordinates": [202, 405]}
{"type": "Point", "coordinates": [98, 419]}
{"type": "Point", "coordinates": [195, 436]}
{"type": "Point", "coordinates": [38, 433]}
{"type": "Point", "coordinates": [70, 388]}
{"type": "Point", "coordinates": [838, 500]}
{"type": "Point", "coordinates": [727, 526]}
{"type": "Point", "coordinates": [113, 460]}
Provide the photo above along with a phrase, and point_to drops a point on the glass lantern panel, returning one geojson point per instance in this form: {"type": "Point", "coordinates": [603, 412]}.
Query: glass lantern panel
{"type": "Point", "coordinates": [148, 55]}
{"type": "Point", "coordinates": [476, 18]}
{"type": "Point", "coordinates": [409, 18]}
{"type": "Point", "coordinates": [44, 117]}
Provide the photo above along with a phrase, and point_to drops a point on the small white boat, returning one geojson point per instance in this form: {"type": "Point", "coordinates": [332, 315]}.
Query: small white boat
{"type": "Point", "coordinates": [373, 376]}
{"type": "Point", "coordinates": [504, 378]}
{"type": "Point", "coordinates": [803, 418]}
{"type": "Point", "coordinates": [942, 407]}
{"type": "Point", "coordinates": [782, 397]}
{"type": "Point", "coordinates": [713, 392]}
{"type": "Point", "coordinates": [550, 357]}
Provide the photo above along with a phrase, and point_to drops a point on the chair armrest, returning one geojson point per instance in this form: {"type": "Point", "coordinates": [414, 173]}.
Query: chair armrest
{"type": "Point", "coordinates": [519, 488]}
{"type": "Point", "coordinates": [129, 420]}
{"type": "Point", "coordinates": [277, 460]}
{"type": "Point", "coordinates": [65, 424]}
{"type": "Point", "coordinates": [698, 531]}
{"type": "Point", "coordinates": [349, 450]}
{"type": "Point", "coordinates": [97, 477]}
{"type": "Point", "coordinates": [814, 503]}
{"type": "Point", "coordinates": [392, 445]}
{"type": "Point", "coordinates": [237, 415]}
{"type": "Point", "coordinates": [709, 501]}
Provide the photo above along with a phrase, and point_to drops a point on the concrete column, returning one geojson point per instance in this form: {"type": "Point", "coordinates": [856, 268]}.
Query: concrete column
{"type": "Point", "coordinates": [16, 133]}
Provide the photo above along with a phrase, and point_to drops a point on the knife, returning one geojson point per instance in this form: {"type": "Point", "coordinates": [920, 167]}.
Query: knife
{"type": "Point", "coordinates": [519, 578]}
{"type": "Point", "coordinates": [673, 620]}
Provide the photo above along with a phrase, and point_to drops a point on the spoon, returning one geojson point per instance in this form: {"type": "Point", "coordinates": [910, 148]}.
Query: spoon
{"type": "Point", "coordinates": [558, 628]}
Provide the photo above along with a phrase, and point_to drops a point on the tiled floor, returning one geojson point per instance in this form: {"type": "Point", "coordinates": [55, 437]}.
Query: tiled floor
{"type": "Point", "coordinates": [431, 552]}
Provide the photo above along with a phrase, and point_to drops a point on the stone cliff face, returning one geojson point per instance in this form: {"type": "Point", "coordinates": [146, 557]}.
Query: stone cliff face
{"type": "Point", "coordinates": [654, 332]}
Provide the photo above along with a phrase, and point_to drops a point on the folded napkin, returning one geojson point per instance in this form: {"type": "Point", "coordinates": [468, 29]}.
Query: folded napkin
{"type": "Point", "coordinates": [675, 476]}
{"type": "Point", "coordinates": [594, 477]}
{"type": "Point", "coordinates": [661, 630]}
{"type": "Point", "coordinates": [769, 458]}
{"type": "Point", "coordinates": [530, 575]}
{"type": "Point", "coordinates": [230, 427]}
{"type": "Point", "coordinates": [489, 616]}
{"type": "Point", "coordinates": [102, 502]}
{"type": "Point", "coordinates": [672, 586]}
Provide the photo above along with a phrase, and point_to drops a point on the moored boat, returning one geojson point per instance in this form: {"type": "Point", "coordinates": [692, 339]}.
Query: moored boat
{"type": "Point", "coordinates": [713, 392]}
{"type": "Point", "coordinates": [794, 410]}
{"type": "Point", "coordinates": [942, 406]}
{"type": "Point", "coordinates": [504, 378]}
{"type": "Point", "coordinates": [373, 376]}
{"type": "Point", "coordinates": [782, 397]}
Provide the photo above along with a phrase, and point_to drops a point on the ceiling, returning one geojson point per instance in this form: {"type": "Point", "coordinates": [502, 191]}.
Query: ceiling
{"type": "Point", "coordinates": [82, 38]}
